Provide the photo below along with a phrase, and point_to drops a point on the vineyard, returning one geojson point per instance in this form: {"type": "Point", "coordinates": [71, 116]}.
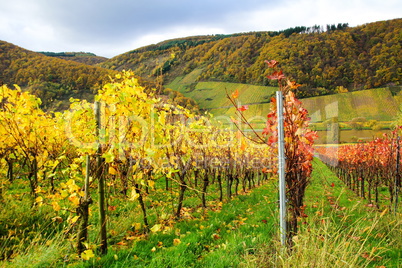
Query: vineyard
{"type": "Point", "coordinates": [134, 147]}
{"type": "Point", "coordinates": [135, 179]}
{"type": "Point", "coordinates": [368, 168]}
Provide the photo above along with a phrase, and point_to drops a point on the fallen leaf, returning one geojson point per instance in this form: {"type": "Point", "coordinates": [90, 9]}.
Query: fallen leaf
{"type": "Point", "coordinates": [87, 254]}
{"type": "Point", "coordinates": [156, 228]}
{"type": "Point", "coordinates": [57, 219]}
{"type": "Point", "coordinates": [215, 236]}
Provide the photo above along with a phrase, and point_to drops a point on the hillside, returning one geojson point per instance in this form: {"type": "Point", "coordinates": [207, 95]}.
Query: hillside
{"type": "Point", "coordinates": [53, 80]}
{"type": "Point", "coordinates": [356, 58]}
{"type": "Point", "coordinates": [56, 77]}
{"type": "Point", "coordinates": [82, 57]}
{"type": "Point", "coordinates": [324, 61]}
{"type": "Point", "coordinates": [380, 104]}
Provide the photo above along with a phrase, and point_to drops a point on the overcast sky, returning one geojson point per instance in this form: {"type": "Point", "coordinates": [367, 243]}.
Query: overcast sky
{"type": "Point", "coordinates": [111, 27]}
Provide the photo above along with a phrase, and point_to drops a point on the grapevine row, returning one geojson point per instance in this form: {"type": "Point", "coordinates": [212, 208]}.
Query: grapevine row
{"type": "Point", "coordinates": [139, 141]}
{"type": "Point", "coordinates": [367, 167]}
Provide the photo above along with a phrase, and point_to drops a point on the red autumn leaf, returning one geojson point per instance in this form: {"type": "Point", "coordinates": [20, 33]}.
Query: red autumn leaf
{"type": "Point", "coordinates": [311, 136]}
{"type": "Point", "coordinates": [235, 94]}
{"type": "Point", "coordinates": [277, 75]}
{"type": "Point", "coordinates": [332, 184]}
{"type": "Point", "coordinates": [243, 108]}
{"type": "Point", "coordinates": [306, 165]}
{"type": "Point", "coordinates": [112, 208]}
{"type": "Point", "coordinates": [272, 140]}
{"type": "Point", "coordinates": [271, 63]}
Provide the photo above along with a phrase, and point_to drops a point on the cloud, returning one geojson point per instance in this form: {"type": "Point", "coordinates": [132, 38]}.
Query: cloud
{"type": "Point", "coordinates": [109, 27]}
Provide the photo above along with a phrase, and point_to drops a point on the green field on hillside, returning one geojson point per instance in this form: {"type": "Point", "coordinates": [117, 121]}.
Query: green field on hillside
{"type": "Point", "coordinates": [212, 95]}
{"type": "Point", "coordinates": [373, 104]}
{"type": "Point", "coordinates": [378, 104]}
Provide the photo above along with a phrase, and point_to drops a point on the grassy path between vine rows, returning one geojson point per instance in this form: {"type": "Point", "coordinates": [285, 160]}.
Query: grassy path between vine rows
{"type": "Point", "coordinates": [341, 230]}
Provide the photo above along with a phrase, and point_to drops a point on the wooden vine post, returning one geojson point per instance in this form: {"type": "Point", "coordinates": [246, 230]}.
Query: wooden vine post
{"type": "Point", "coordinates": [101, 182]}
{"type": "Point", "coordinates": [83, 212]}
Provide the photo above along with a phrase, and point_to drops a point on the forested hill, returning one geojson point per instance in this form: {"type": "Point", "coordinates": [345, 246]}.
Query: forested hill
{"type": "Point", "coordinates": [53, 80]}
{"type": "Point", "coordinates": [83, 57]}
{"type": "Point", "coordinates": [321, 58]}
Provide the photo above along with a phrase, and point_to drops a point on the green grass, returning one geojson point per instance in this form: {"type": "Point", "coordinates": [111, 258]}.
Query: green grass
{"type": "Point", "coordinates": [216, 239]}
{"type": "Point", "coordinates": [377, 104]}
{"type": "Point", "coordinates": [340, 231]}
{"type": "Point", "coordinates": [212, 95]}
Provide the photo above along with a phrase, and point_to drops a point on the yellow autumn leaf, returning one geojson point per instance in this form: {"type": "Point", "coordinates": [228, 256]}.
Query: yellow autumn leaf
{"type": "Point", "coordinates": [56, 206]}
{"type": "Point", "coordinates": [72, 187]}
{"type": "Point", "coordinates": [140, 175]}
{"type": "Point", "coordinates": [156, 228]}
{"type": "Point", "coordinates": [288, 140]}
{"type": "Point", "coordinates": [64, 193]}
{"type": "Point", "coordinates": [74, 219]}
{"type": "Point", "coordinates": [136, 226]}
{"type": "Point", "coordinates": [162, 117]}
{"type": "Point", "coordinates": [176, 241]}
{"type": "Point", "coordinates": [74, 199]}
{"type": "Point", "coordinates": [112, 170]}
{"type": "Point", "coordinates": [109, 156]}
{"type": "Point", "coordinates": [38, 190]}
{"type": "Point", "coordinates": [172, 160]}
{"type": "Point", "coordinates": [133, 195]}
{"type": "Point", "coordinates": [151, 183]}
{"type": "Point", "coordinates": [39, 200]}
{"type": "Point", "coordinates": [87, 254]}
